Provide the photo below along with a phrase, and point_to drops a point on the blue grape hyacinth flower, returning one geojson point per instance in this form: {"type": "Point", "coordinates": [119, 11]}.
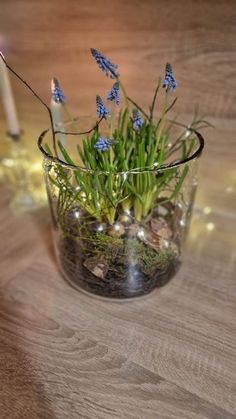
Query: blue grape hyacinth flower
{"type": "Point", "coordinates": [107, 66]}
{"type": "Point", "coordinates": [113, 94]}
{"type": "Point", "coordinates": [103, 144]}
{"type": "Point", "coordinates": [169, 80]}
{"type": "Point", "coordinates": [57, 93]}
{"type": "Point", "coordinates": [102, 111]}
{"type": "Point", "coordinates": [137, 120]}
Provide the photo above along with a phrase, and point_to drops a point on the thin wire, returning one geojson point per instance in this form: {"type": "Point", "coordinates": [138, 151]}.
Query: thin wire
{"type": "Point", "coordinates": [152, 168]}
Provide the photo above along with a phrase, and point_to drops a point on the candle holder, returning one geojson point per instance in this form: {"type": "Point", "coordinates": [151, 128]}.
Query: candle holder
{"type": "Point", "coordinates": [22, 172]}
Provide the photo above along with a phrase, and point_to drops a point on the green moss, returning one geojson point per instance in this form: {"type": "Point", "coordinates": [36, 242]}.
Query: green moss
{"type": "Point", "coordinates": [107, 247]}
{"type": "Point", "coordinates": [149, 259]}
{"type": "Point", "coordinates": [116, 250]}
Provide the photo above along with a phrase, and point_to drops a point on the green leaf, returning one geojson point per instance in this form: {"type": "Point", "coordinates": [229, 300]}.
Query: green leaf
{"type": "Point", "coordinates": [123, 120]}
{"type": "Point", "coordinates": [48, 149]}
{"type": "Point", "coordinates": [81, 154]}
{"type": "Point", "coordinates": [154, 99]}
{"type": "Point", "coordinates": [134, 191]}
{"type": "Point", "coordinates": [66, 156]}
{"type": "Point", "coordinates": [179, 184]}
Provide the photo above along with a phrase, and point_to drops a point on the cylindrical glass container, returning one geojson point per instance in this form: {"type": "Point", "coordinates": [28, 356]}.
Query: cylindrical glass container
{"type": "Point", "coordinates": [120, 235]}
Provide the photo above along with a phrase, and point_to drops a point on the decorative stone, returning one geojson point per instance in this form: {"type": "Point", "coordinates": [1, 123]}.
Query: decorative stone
{"type": "Point", "coordinates": [125, 219]}
{"type": "Point", "coordinates": [133, 230]}
{"type": "Point", "coordinates": [165, 210]}
{"type": "Point", "coordinates": [97, 267]}
{"type": "Point", "coordinates": [116, 230]}
{"type": "Point", "coordinates": [160, 227]}
{"type": "Point", "coordinates": [153, 240]}
{"type": "Point", "coordinates": [162, 211]}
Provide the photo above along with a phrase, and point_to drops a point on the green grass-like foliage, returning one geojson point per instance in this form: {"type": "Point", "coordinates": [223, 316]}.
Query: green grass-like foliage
{"type": "Point", "coordinates": [124, 178]}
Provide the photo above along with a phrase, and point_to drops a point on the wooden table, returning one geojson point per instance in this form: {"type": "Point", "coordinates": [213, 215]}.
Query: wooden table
{"type": "Point", "coordinates": [171, 355]}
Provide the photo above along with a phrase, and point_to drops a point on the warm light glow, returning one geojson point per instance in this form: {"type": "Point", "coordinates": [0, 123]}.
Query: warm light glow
{"type": "Point", "coordinates": [100, 227]}
{"type": "Point", "coordinates": [37, 166]}
{"type": "Point", "coordinates": [207, 210]}
{"type": "Point", "coordinates": [229, 189]}
{"type": "Point", "coordinates": [140, 233]}
{"type": "Point", "coordinates": [8, 162]}
{"type": "Point", "coordinates": [77, 214]}
{"type": "Point", "coordinates": [187, 133]}
{"type": "Point", "coordinates": [210, 226]}
{"type": "Point", "coordinates": [116, 227]}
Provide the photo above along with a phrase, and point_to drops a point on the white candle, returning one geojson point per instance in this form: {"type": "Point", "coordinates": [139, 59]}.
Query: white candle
{"type": "Point", "coordinates": [8, 101]}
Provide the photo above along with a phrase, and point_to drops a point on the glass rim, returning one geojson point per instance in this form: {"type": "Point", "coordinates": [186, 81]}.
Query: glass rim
{"type": "Point", "coordinates": [153, 168]}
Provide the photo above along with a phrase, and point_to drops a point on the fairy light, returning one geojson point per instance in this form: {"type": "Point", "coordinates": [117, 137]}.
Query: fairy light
{"type": "Point", "coordinates": [207, 210]}
{"type": "Point", "coordinates": [210, 226]}
{"type": "Point", "coordinates": [187, 132]}
{"type": "Point", "coordinates": [116, 227]}
{"type": "Point", "coordinates": [8, 162]}
{"type": "Point", "coordinates": [36, 166]}
{"type": "Point", "coordinates": [140, 233]}
{"type": "Point", "coordinates": [77, 214]}
{"type": "Point", "coordinates": [100, 228]}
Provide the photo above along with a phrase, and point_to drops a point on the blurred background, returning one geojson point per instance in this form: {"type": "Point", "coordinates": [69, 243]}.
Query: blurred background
{"type": "Point", "coordinates": [53, 38]}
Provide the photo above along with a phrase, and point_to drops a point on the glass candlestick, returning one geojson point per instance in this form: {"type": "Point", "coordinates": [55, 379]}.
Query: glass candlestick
{"type": "Point", "coordinates": [23, 173]}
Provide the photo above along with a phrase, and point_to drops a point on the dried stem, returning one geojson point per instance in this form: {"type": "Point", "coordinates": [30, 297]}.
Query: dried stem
{"type": "Point", "coordinates": [138, 107]}
{"type": "Point", "coordinates": [37, 96]}
{"type": "Point", "coordinates": [81, 133]}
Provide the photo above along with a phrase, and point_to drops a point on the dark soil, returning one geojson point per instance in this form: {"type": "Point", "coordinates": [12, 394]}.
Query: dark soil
{"type": "Point", "coordinates": [131, 281]}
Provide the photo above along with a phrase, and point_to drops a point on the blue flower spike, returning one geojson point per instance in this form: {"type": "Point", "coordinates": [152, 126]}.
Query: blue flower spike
{"type": "Point", "coordinates": [102, 111]}
{"type": "Point", "coordinates": [113, 94]}
{"type": "Point", "coordinates": [107, 66]}
{"type": "Point", "coordinates": [57, 93]}
{"type": "Point", "coordinates": [137, 120]}
{"type": "Point", "coordinates": [103, 144]}
{"type": "Point", "coordinates": [169, 82]}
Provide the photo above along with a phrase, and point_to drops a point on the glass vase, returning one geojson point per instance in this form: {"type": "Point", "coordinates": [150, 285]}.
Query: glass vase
{"type": "Point", "coordinates": [121, 235]}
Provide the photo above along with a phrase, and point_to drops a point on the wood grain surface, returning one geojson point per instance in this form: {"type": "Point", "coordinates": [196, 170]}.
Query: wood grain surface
{"type": "Point", "coordinates": [171, 355]}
